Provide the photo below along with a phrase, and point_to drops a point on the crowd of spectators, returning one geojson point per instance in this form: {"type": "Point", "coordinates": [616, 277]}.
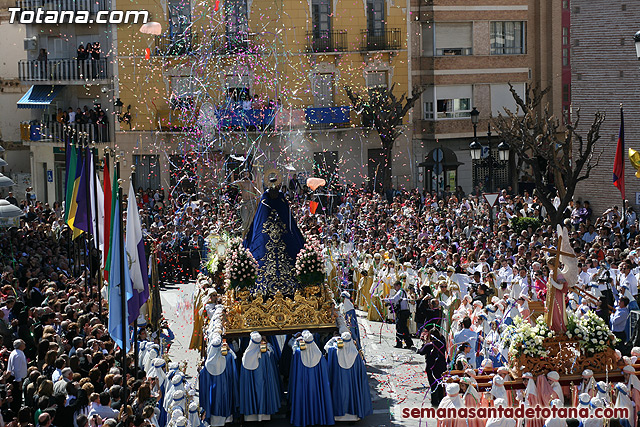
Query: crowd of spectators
{"type": "Point", "coordinates": [86, 115]}
{"type": "Point", "coordinates": [61, 367]}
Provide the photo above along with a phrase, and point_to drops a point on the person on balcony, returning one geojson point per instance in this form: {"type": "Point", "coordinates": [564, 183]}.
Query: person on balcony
{"type": "Point", "coordinates": [81, 56]}
{"type": "Point", "coordinates": [42, 63]}
{"type": "Point", "coordinates": [80, 117]}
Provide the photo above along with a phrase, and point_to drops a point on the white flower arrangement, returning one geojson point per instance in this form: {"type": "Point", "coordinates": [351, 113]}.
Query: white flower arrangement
{"type": "Point", "coordinates": [593, 333]}
{"type": "Point", "coordinates": [528, 339]}
{"type": "Point", "coordinates": [216, 256]}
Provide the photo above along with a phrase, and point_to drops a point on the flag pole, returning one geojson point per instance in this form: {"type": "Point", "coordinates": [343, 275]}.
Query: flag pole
{"type": "Point", "coordinates": [135, 321]}
{"type": "Point", "coordinates": [96, 236]}
{"type": "Point", "coordinates": [66, 204]}
{"type": "Point", "coordinates": [100, 276]}
{"type": "Point", "coordinates": [123, 287]}
{"type": "Point", "coordinates": [88, 213]}
{"type": "Point", "coordinates": [76, 246]}
{"type": "Point", "coordinates": [624, 196]}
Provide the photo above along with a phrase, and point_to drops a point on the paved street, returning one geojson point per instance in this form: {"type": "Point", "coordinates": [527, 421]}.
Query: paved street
{"type": "Point", "coordinates": [396, 377]}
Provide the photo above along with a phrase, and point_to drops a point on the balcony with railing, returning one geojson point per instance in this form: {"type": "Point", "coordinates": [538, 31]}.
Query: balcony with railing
{"type": "Point", "coordinates": [57, 132]}
{"type": "Point", "coordinates": [389, 39]}
{"type": "Point", "coordinates": [230, 119]}
{"type": "Point", "coordinates": [184, 44]}
{"type": "Point", "coordinates": [64, 70]}
{"type": "Point", "coordinates": [326, 41]}
{"type": "Point", "coordinates": [241, 42]}
{"type": "Point", "coordinates": [93, 6]}
{"type": "Point", "coordinates": [327, 117]}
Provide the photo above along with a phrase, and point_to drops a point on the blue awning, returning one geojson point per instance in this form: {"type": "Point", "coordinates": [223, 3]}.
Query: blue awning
{"type": "Point", "coordinates": [39, 96]}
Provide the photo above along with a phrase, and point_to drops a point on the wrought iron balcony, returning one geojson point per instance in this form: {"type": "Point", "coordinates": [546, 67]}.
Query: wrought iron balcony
{"type": "Point", "coordinates": [56, 132]}
{"type": "Point", "coordinates": [93, 6]}
{"type": "Point", "coordinates": [240, 119]}
{"type": "Point", "coordinates": [326, 41]}
{"type": "Point", "coordinates": [327, 117]}
{"type": "Point", "coordinates": [184, 44]}
{"type": "Point", "coordinates": [389, 39]}
{"type": "Point", "coordinates": [67, 70]}
{"type": "Point", "coordinates": [233, 43]}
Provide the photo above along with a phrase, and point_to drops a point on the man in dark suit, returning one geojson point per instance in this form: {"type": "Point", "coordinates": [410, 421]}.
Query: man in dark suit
{"type": "Point", "coordinates": [434, 350]}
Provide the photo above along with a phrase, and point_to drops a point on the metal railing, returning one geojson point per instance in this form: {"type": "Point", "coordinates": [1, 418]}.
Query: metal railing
{"type": "Point", "coordinates": [253, 119]}
{"type": "Point", "coordinates": [63, 70]}
{"type": "Point", "coordinates": [56, 132]}
{"type": "Point", "coordinates": [184, 44]}
{"type": "Point", "coordinates": [326, 41]}
{"type": "Point", "coordinates": [232, 43]}
{"type": "Point", "coordinates": [388, 39]}
{"type": "Point", "coordinates": [93, 6]}
{"type": "Point", "coordinates": [458, 51]}
{"type": "Point", "coordinates": [327, 117]}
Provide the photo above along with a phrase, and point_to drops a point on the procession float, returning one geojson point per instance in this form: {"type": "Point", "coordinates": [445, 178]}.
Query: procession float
{"type": "Point", "coordinates": [557, 341]}
{"type": "Point", "coordinates": [271, 281]}
{"type": "Point", "coordinates": [262, 317]}
{"type": "Point", "coordinates": [552, 339]}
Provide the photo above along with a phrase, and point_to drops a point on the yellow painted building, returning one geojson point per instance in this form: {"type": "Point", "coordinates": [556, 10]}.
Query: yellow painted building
{"type": "Point", "coordinates": [254, 84]}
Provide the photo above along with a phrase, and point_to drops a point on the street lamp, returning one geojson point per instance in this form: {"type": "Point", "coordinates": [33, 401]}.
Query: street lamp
{"type": "Point", "coordinates": [118, 107]}
{"type": "Point", "coordinates": [476, 150]}
{"type": "Point", "coordinates": [475, 117]}
{"type": "Point", "coordinates": [503, 151]}
{"type": "Point", "coordinates": [636, 39]}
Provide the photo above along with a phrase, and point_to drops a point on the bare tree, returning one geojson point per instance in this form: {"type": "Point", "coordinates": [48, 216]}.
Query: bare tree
{"type": "Point", "coordinates": [385, 112]}
{"type": "Point", "coordinates": [547, 151]}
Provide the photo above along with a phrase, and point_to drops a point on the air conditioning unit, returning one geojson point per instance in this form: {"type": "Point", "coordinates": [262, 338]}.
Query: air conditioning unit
{"type": "Point", "coordinates": [31, 43]}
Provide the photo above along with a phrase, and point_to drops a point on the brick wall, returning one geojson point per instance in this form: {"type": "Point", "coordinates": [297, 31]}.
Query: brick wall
{"type": "Point", "coordinates": [604, 74]}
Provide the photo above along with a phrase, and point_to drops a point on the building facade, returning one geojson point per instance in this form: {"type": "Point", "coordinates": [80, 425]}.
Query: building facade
{"type": "Point", "coordinates": [244, 85]}
{"type": "Point", "coordinates": [466, 55]}
{"type": "Point", "coordinates": [604, 75]}
{"type": "Point", "coordinates": [66, 68]}
{"type": "Point", "coordinates": [11, 90]}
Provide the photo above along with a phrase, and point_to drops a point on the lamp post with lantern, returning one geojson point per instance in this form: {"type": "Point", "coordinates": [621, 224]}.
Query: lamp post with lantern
{"type": "Point", "coordinates": [476, 149]}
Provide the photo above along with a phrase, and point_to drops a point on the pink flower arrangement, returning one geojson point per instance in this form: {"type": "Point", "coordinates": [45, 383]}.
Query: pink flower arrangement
{"type": "Point", "coordinates": [241, 267]}
{"type": "Point", "coordinates": [310, 264]}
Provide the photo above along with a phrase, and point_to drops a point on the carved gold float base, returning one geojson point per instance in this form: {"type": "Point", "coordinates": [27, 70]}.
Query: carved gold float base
{"type": "Point", "coordinates": [566, 357]}
{"type": "Point", "coordinates": [310, 308]}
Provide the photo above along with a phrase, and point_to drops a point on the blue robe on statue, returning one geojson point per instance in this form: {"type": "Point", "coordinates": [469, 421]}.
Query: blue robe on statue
{"type": "Point", "coordinates": [260, 390]}
{"type": "Point", "coordinates": [274, 240]}
{"type": "Point", "coordinates": [218, 391]}
{"type": "Point", "coordinates": [309, 389]}
{"type": "Point", "coordinates": [348, 379]}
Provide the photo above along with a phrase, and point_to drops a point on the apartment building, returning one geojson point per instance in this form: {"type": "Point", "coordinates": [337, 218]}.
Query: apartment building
{"type": "Point", "coordinates": [604, 75]}
{"type": "Point", "coordinates": [16, 155]}
{"type": "Point", "coordinates": [466, 54]}
{"type": "Point", "coordinates": [66, 68]}
{"type": "Point", "coordinates": [246, 85]}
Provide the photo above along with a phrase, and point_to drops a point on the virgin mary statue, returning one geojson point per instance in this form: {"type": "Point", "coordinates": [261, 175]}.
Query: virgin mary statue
{"type": "Point", "coordinates": [274, 240]}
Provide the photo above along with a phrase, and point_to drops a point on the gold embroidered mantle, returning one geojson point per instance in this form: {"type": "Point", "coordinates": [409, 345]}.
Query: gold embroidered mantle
{"type": "Point", "coordinates": [276, 272]}
{"type": "Point", "coordinates": [310, 308]}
